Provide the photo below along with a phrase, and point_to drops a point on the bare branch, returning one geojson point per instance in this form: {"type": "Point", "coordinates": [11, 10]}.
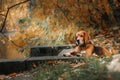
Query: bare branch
{"type": "Point", "coordinates": [2, 14]}
{"type": "Point", "coordinates": [2, 34]}
{"type": "Point", "coordinates": [4, 22]}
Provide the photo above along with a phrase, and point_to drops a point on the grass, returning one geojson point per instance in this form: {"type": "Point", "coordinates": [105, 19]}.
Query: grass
{"type": "Point", "coordinates": [92, 69]}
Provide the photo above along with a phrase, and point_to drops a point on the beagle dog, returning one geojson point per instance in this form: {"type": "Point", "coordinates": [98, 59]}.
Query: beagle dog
{"type": "Point", "coordinates": [83, 45]}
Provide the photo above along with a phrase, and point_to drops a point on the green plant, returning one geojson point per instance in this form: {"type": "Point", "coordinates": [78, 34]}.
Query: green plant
{"type": "Point", "coordinates": [93, 69]}
{"type": "Point", "coordinates": [51, 72]}
{"type": "Point", "coordinates": [22, 20]}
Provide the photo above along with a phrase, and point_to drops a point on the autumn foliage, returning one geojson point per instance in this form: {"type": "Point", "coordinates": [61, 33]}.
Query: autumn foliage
{"type": "Point", "coordinates": [53, 22]}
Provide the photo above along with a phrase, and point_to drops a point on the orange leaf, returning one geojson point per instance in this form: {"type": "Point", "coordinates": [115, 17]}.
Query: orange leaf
{"type": "Point", "coordinates": [13, 74]}
{"type": "Point", "coordinates": [49, 62]}
{"type": "Point", "coordinates": [34, 65]}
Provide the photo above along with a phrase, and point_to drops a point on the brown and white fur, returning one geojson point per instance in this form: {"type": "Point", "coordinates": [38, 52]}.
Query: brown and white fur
{"type": "Point", "coordinates": [83, 45]}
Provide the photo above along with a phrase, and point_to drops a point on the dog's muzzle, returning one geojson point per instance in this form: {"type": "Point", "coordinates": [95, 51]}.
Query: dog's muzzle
{"type": "Point", "coordinates": [77, 42]}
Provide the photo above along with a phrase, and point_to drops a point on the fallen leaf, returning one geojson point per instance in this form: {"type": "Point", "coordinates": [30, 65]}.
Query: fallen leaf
{"type": "Point", "coordinates": [2, 77]}
{"type": "Point", "coordinates": [34, 65]}
{"type": "Point", "coordinates": [77, 65]}
{"type": "Point", "coordinates": [13, 74]}
{"type": "Point", "coordinates": [49, 62]}
{"type": "Point", "coordinates": [60, 78]}
{"type": "Point", "coordinates": [65, 75]}
{"type": "Point", "coordinates": [3, 41]}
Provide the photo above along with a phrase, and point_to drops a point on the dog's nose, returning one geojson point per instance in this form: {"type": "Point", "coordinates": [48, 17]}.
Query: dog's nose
{"type": "Point", "coordinates": [77, 42]}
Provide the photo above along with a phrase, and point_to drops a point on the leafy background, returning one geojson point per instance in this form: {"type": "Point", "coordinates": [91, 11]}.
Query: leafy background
{"type": "Point", "coordinates": [54, 22]}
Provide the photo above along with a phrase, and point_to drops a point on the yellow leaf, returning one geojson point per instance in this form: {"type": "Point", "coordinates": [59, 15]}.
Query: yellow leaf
{"type": "Point", "coordinates": [60, 78]}
{"type": "Point", "coordinates": [3, 41]}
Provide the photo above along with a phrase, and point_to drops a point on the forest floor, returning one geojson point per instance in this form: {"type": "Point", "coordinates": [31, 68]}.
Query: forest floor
{"type": "Point", "coordinates": [83, 69]}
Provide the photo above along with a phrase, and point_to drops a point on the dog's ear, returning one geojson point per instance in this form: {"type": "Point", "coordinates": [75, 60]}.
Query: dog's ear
{"type": "Point", "coordinates": [86, 37]}
{"type": "Point", "coordinates": [75, 38]}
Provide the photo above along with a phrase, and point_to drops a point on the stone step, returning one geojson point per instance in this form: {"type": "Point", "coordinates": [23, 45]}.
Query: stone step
{"type": "Point", "coordinates": [38, 54]}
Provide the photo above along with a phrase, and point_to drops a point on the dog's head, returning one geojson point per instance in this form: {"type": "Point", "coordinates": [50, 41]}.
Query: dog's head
{"type": "Point", "coordinates": [82, 38]}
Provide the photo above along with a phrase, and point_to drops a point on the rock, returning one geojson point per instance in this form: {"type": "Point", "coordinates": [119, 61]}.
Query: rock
{"type": "Point", "coordinates": [2, 77]}
{"type": "Point", "coordinates": [114, 65]}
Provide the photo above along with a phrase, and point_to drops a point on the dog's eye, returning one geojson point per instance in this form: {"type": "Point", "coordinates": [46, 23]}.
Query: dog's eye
{"type": "Point", "coordinates": [75, 38]}
{"type": "Point", "coordinates": [81, 35]}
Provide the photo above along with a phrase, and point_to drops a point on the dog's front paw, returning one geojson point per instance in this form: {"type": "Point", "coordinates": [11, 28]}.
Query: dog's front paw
{"type": "Point", "coordinates": [67, 54]}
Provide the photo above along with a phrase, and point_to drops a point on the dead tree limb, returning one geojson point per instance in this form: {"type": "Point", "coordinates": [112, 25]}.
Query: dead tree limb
{"type": "Point", "coordinates": [4, 22]}
{"type": "Point", "coordinates": [2, 14]}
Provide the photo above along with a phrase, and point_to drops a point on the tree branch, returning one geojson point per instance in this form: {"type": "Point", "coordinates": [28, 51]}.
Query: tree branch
{"type": "Point", "coordinates": [4, 22]}
{"type": "Point", "coordinates": [2, 15]}
{"type": "Point", "coordinates": [10, 40]}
